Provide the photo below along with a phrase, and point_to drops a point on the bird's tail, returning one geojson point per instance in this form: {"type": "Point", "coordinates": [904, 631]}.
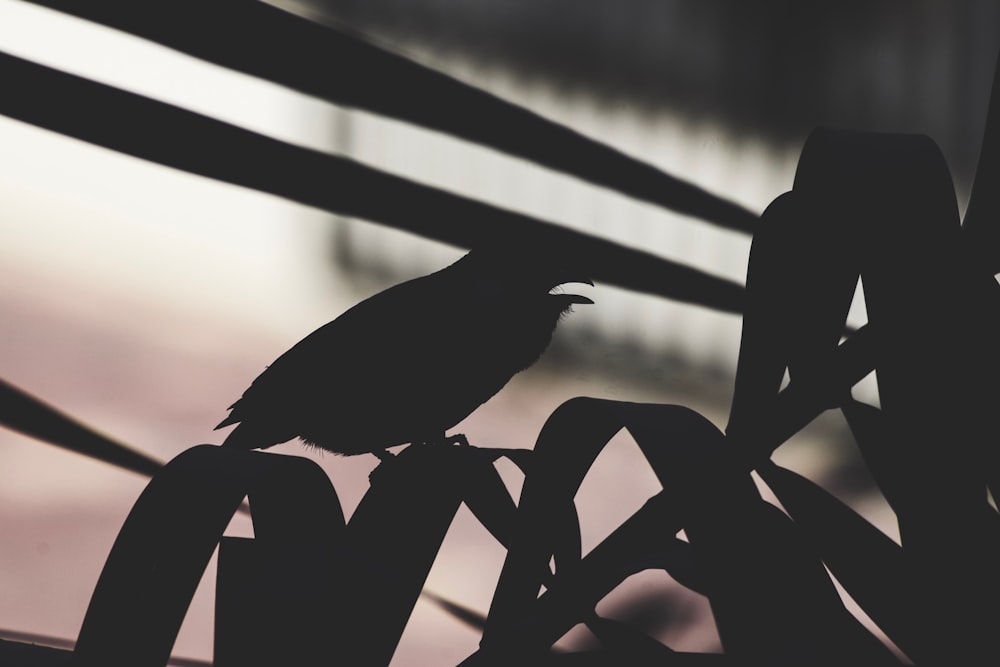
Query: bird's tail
{"type": "Point", "coordinates": [228, 421]}
{"type": "Point", "coordinates": [232, 418]}
{"type": "Point", "coordinates": [237, 438]}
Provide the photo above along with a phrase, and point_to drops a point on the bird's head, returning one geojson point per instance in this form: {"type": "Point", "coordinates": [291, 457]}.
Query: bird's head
{"type": "Point", "coordinates": [505, 273]}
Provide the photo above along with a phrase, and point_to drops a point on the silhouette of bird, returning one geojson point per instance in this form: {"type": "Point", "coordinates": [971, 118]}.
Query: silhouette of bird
{"type": "Point", "coordinates": [412, 361]}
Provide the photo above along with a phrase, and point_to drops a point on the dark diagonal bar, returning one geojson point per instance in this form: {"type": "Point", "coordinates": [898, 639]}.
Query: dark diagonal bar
{"type": "Point", "coordinates": [178, 138]}
{"type": "Point", "coordinates": [261, 40]}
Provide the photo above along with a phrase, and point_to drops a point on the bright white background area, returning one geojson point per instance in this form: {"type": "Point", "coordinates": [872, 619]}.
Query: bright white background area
{"type": "Point", "coordinates": [139, 228]}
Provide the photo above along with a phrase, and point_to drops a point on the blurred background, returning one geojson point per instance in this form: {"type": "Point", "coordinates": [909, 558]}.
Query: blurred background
{"type": "Point", "coordinates": [143, 300]}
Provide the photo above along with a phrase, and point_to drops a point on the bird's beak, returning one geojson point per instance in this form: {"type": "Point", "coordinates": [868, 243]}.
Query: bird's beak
{"type": "Point", "coordinates": [575, 298]}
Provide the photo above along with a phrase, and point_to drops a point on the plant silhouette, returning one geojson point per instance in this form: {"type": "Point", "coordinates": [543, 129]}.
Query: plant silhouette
{"type": "Point", "coordinates": [314, 587]}
{"type": "Point", "coordinates": [412, 361]}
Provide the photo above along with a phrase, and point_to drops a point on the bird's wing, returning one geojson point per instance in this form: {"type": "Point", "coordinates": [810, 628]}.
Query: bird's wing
{"type": "Point", "coordinates": [376, 350]}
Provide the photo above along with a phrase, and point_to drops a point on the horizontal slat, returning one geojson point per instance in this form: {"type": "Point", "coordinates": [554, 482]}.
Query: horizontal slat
{"type": "Point", "coordinates": [258, 39]}
{"type": "Point", "coordinates": [178, 138]}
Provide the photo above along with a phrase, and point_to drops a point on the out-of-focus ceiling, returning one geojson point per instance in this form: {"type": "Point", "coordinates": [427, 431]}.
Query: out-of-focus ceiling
{"type": "Point", "coordinates": [773, 68]}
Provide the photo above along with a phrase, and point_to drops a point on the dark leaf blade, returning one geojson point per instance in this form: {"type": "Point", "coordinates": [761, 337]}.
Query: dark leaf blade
{"type": "Point", "coordinates": [184, 140]}
{"type": "Point", "coordinates": [897, 193]}
{"type": "Point", "coordinates": [612, 658]}
{"type": "Point", "coordinates": [488, 499]}
{"type": "Point", "coordinates": [393, 538]}
{"type": "Point", "coordinates": [801, 279]}
{"type": "Point", "coordinates": [981, 355]}
{"type": "Point", "coordinates": [774, 602]}
{"type": "Point", "coordinates": [680, 560]}
{"type": "Point", "coordinates": [165, 544]}
{"type": "Point", "coordinates": [797, 405]}
{"type": "Point", "coordinates": [626, 640]}
{"type": "Point", "coordinates": [881, 453]}
{"type": "Point", "coordinates": [320, 60]}
{"type": "Point", "coordinates": [565, 450]}
{"type": "Point", "coordinates": [638, 544]}
{"type": "Point", "coordinates": [771, 597]}
{"type": "Point", "coordinates": [26, 414]}
{"type": "Point", "coordinates": [22, 412]}
{"type": "Point", "coordinates": [567, 447]}
{"type": "Point", "coordinates": [772, 591]}
{"type": "Point", "coordinates": [869, 564]}
{"type": "Point", "coordinates": [908, 497]}
{"type": "Point", "coordinates": [486, 496]}
{"type": "Point", "coordinates": [981, 226]}
{"type": "Point", "coordinates": [474, 619]}
{"type": "Point", "coordinates": [762, 357]}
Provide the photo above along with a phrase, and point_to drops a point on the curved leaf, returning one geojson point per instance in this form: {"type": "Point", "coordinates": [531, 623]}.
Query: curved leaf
{"type": "Point", "coordinates": [770, 593]}
{"type": "Point", "coordinates": [896, 194]}
{"type": "Point", "coordinates": [394, 536]}
{"type": "Point", "coordinates": [165, 544]}
{"type": "Point", "coordinates": [870, 566]}
{"type": "Point", "coordinates": [629, 642]}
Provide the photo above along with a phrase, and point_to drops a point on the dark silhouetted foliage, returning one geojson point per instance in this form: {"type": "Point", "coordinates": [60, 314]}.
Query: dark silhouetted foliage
{"type": "Point", "coordinates": [312, 587]}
